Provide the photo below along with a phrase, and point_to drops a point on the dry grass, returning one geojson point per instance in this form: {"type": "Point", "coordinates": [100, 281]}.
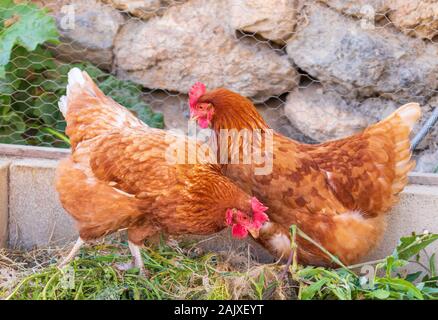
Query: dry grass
{"type": "Point", "coordinates": [178, 271]}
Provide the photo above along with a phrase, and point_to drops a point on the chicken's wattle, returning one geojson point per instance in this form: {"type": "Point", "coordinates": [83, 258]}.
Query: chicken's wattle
{"type": "Point", "coordinates": [203, 123]}
{"type": "Point", "coordinates": [239, 231]}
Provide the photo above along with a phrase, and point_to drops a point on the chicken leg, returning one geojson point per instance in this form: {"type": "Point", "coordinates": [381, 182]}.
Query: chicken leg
{"type": "Point", "coordinates": [137, 260]}
{"type": "Point", "coordinates": [79, 243]}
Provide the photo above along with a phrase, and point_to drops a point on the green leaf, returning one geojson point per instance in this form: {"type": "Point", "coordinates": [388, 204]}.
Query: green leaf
{"type": "Point", "coordinates": [430, 290]}
{"type": "Point", "coordinates": [412, 245]}
{"type": "Point", "coordinates": [379, 294]}
{"type": "Point", "coordinates": [341, 294]}
{"type": "Point", "coordinates": [6, 87]}
{"type": "Point", "coordinates": [31, 81]}
{"type": "Point", "coordinates": [38, 60]}
{"type": "Point", "coordinates": [432, 265]}
{"type": "Point", "coordinates": [309, 292]}
{"type": "Point", "coordinates": [413, 276]}
{"type": "Point", "coordinates": [389, 263]}
{"type": "Point", "coordinates": [25, 25]}
{"type": "Point", "coordinates": [12, 125]}
{"type": "Point", "coordinates": [401, 285]}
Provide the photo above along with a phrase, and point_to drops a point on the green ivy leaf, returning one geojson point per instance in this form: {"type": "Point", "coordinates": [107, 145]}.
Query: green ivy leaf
{"type": "Point", "coordinates": [6, 87]}
{"type": "Point", "coordinates": [25, 25]}
{"type": "Point", "coordinates": [12, 125]}
{"type": "Point", "coordinates": [31, 81]}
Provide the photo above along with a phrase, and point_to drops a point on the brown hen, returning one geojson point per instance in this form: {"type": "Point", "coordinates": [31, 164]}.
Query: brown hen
{"type": "Point", "coordinates": [122, 174]}
{"type": "Point", "coordinates": [337, 192]}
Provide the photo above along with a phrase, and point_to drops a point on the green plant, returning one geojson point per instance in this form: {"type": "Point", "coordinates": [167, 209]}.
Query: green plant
{"type": "Point", "coordinates": [25, 25]}
{"type": "Point", "coordinates": [32, 81]}
{"type": "Point", "coordinates": [23, 28]}
{"type": "Point", "coordinates": [174, 275]}
{"type": "Point", "coordinates": [385, 278]}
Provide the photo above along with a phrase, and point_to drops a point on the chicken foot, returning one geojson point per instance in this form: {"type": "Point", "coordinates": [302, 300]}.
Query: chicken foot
{"type": "Point", "coordinates": [79, 243]}
{"type": "Point", "coordinates": [283, 275]}
{"type": "Point", "coordinates": [137, 260]}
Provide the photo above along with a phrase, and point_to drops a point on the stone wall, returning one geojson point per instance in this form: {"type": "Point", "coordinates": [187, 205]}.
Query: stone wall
{"type": "Point", "coordinates": [348, 63]}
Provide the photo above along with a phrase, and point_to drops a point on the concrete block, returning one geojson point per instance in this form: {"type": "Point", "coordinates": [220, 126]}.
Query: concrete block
{"type": "Point", "coordinates": [4, 167]}
{"type": "Point", "coordinates": [416, 211]}
{"type": "Point", "coordinates": [36, 217]}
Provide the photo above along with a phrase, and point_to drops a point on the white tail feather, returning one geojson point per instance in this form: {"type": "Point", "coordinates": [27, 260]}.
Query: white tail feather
{"type": "Point", "coordinates": [75, 77]}
{"type": "Point", "coordinates": [409, 113]}
{"type": "Point", "coordinates": [62, 104]}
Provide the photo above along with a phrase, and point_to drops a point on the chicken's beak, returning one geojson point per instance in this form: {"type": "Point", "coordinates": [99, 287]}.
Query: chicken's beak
{"type": "Point", "coordinates": [194, 118]}
{"type": "Point", "coordinates": [254, 232]}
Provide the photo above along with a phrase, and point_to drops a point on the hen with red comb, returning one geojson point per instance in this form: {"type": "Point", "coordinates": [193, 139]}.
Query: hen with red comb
{"type": "Point", "coordinates": [119, 177]}
{"type": "Point", "coordinates": [337, 192]}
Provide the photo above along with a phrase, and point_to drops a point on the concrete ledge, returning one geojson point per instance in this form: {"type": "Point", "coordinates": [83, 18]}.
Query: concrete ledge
{"type": "Point", "coordinates": [36, 217]}
{"type": "Point", "coordinates": [420, 178]}
{"type": "Point", "coordinates": [4, 167]}
{"type": "Point", "coordinates": [14, 150]}
{"type": "Point", "coordinates": [416, 211]}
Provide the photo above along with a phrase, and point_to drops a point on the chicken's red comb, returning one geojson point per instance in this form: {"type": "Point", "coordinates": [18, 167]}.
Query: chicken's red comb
{"type": "Point", "coordinates": [196, 91]}
{"type": "Point", "coordinates": [259, 215]}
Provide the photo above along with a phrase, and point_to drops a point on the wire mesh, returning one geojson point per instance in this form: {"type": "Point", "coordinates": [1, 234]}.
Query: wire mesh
{"type": "Point", "coordinates": [317, 70]}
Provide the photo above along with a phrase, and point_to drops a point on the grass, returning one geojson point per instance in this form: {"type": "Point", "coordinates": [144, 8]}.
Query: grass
{"type": "Point", "coordinates": [184, 271]}
{"type": "Point", "coordinates": [177, 272]}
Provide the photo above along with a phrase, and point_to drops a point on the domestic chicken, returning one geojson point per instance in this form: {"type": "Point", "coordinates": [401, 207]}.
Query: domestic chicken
{"type": "Point", "coordinates": [336, 192]}
{"type": "Point", "coordinates": [122, 174]}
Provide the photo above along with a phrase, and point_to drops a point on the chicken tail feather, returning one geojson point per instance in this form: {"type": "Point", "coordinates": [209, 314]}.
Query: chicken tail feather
{"type": "Point", "coordinates": [409, 114]}
{"type": "Point", "coordinates": [399, 126]}
{"type": "Point", "coordinates": [75, 78]}
{"type": "Point", "coordinates": [88, 112]}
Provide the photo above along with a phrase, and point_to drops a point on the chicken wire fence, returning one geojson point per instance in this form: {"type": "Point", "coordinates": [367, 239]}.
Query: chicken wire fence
{"type": "Point", "coordinates": [316, 70]}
